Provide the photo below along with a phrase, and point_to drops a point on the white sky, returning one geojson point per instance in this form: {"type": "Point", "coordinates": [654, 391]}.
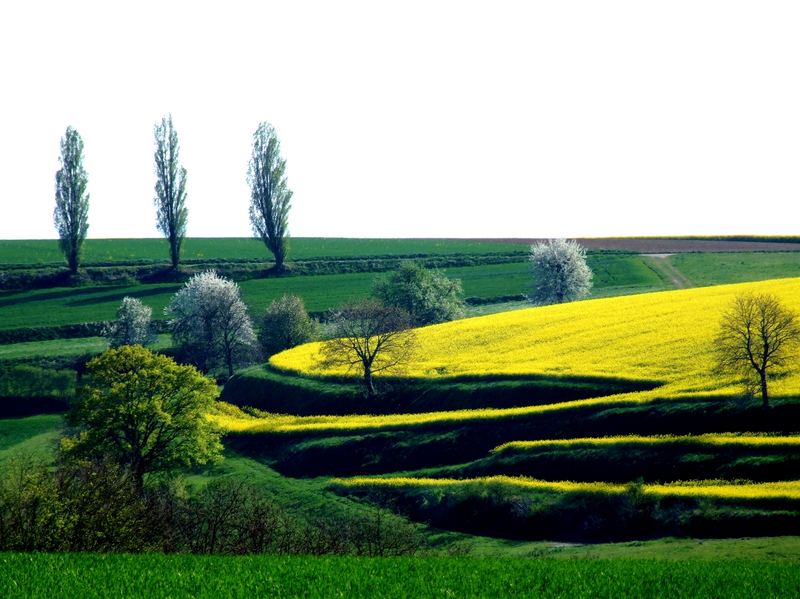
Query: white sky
{"type": "Point", "coordinates": [413, 119]}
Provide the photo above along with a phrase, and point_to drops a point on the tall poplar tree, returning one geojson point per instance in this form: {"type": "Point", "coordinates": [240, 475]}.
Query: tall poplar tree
{"type": "Point", "coordinates": [170, 200]}
{"type": "Point", "coordinates": [270, 195]}
{"type": "Point", "coordinates": [71, 214]}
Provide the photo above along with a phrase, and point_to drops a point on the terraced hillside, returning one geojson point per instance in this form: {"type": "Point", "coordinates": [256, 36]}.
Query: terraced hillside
{"type": "Point", "coordinates": [679, 452]}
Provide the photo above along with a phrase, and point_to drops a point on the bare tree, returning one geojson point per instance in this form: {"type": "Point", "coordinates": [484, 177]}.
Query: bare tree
{"type": "Point", "coordinates": [757, 337]}
{"type": "Point", "coordinates": [270, 194]}
{"type": "Point", "coordinates": [170, 197]}
{"type": "Point", "coordinates": [71, 214]}
{"type": "Point", "coordinates": [370, 337]}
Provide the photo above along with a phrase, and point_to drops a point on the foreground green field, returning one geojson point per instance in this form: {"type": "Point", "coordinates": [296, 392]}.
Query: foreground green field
{"type": "Point", "coordinates": [73, 575]}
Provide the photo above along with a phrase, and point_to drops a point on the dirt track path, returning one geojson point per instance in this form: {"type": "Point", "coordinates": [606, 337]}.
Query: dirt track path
{"type": "Point", "coordinates": [666, 269]}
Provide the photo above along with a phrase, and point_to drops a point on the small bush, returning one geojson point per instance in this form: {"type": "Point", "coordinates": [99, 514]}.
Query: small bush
{"type": "Point", "coordinates": [286, 324]}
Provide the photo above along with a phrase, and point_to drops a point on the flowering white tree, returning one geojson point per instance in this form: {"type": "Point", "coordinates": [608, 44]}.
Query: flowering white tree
{"type": "Point", "coordinates": [209, 321]}
{"type": "Point", "coordinates": [560, 272]}
{"type": "Point", "coordinates": [132, 325]}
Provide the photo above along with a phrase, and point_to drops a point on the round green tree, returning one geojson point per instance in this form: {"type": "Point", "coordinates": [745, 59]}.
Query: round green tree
{"type": "Point", "coordinates": [426, 294]}
{"type": "Point", "coordinates": [145, 412]}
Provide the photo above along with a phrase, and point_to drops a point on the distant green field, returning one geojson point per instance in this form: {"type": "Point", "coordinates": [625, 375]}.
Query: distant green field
{"type": "Point", "coordinates": [63, 348]}
{"type": "Point", "coordinates": [45, 251]}
{"type": "Point", "coordinates": [736, 267]}
{"type": "Point", "coordinates": [52, 307]}
{"type": "Point", "coordinates": [87, 575]}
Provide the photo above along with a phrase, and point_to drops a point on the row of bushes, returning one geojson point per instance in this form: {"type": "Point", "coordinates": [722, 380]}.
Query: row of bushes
{"type": "Point", "coordinates": [580, 516]}
{"type": "Point", "coordinates": [97, 507]}
{"type": "Point", "coordinates": [66, 331]}
{"type": "Point", "coordinates": [115, 273]}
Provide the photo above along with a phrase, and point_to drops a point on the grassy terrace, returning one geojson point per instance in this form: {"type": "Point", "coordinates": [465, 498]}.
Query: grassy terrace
{"type": "Point", "coordinates": [50, 307]}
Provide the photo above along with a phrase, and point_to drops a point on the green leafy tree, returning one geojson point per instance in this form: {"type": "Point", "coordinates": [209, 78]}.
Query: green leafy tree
{"type": "Point", "coordinates": [71, 214]}
{"type": "Point", "coordinates": [286, 324]}
{"type": "Point", "coordinates": [270, 195]}
{"type": "Point", "coordinates": [427, 295]}
{"type": "Point", "coordinates": [170, 199]}
{"type": "Point", "coordinates": [758, 339]}
{"type": "Point", "coordinates": [144, 412]}
{"type": "Point", "coordinates": [560, 272]}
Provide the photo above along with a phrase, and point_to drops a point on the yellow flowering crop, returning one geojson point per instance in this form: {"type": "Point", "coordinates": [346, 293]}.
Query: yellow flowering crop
{"type": "Point", "coordinates": [748, 440]}
{"type": "Point", "coordinates": [713, 489]}
{"type": "Point", "coordinates": [664, 336]}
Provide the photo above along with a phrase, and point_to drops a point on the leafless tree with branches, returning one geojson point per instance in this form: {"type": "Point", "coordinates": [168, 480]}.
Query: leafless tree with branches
{"type": "Point", "coordinates": [371, 337]}
{"type": "Point", "coordinates": [757, 339]}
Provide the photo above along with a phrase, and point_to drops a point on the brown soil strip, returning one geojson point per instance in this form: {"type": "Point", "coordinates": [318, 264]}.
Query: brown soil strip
{"type": "Point", "coordinates": [646, 245]}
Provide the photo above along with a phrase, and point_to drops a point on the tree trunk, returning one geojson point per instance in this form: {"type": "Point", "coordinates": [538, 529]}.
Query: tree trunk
{"type": "Point", "coordinates": [72, 260]}
{"type": "Point", "coordinates": [137, 472]}
{"type": "Point", "coordinates": [174, 253]}
{"type": "Point", "coordinates": [229, 359]}
{"type": "Point", "coordinates": [764, 394]}
{"type": "Point", "coordinates": [368, 384]}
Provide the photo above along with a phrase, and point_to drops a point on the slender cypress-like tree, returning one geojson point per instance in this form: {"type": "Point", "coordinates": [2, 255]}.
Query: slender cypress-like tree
{"type": "Point", "coordinates": [170, 200]}
{"type": "Point", "coordinates": [71, 214]}
{"type": "Point", "coordinates": [270, 195]}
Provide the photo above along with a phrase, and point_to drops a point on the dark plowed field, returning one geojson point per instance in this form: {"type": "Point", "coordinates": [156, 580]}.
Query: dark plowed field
{"type": "Point", "coordinates": [647, 245]}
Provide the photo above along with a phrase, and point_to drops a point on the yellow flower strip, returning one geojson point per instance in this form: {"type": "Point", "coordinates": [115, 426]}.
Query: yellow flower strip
{"type": "Point", "coordinates": [753, 440]}
{"type": "Point", "coordinates": [277, 423]}
{"type": "Point", "coordinates": [770, 490]}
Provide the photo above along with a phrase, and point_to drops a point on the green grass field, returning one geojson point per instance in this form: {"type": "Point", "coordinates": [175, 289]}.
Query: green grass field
{"type": "Point", "coordinates": [736, 267]}
{"type": "Point", "coordinates": [65, 348]}
{"type": "Point", "coordinates": [51, 307]}
{"type": "Point", "coordinates": [104, 251]}
{"type": "Point", "coordinates": [154, 576]}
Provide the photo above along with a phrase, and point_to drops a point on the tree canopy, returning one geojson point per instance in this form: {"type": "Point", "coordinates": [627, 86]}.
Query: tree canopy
{"type": "Point", "coordinates": [286, 323]}
{"type": "Point", "coordinates": [427, 295]}
{"type": "Point", "coordinates": [132, 326]}
{"type": "Point", "coordinates": [210, 323]}
{"type": "Point", "coordinates": [170, 199]}
{"type": "Point", "coordinates": [560, 272]}
{"type": "Point", "coordinates": [270, 195]}
{"type": "Point", "coordinates": [145, 412]}
{"type": "Point", "coordinates": [71, 214]}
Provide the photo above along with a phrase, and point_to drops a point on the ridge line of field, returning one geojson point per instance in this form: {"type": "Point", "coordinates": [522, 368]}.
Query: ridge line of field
{"type": "Point", "coordinates": [743, 438]}
{"type": "Point", "coordinates": [787, 489]}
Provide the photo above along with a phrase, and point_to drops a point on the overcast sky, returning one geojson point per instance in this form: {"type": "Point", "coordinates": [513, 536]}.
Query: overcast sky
{"type": "Point", "coordinates": [413, 119]}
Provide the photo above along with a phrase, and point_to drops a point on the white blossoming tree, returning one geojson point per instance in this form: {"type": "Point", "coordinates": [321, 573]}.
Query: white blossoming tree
{"type": "Point", "coordinates": [210, 323]}
{"type": "Point", "coordinates": [560, 272]}
{"type": "Point", "coordinates": [132, 326]}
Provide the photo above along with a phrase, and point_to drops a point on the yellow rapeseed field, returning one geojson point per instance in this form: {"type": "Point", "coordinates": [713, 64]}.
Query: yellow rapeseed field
{"type": "Point", "coordinates": [711, 489]}
{"type": "Point", "coordinates": [663, 336]}
{"type": "Point", "coordinates": [711, 439]}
